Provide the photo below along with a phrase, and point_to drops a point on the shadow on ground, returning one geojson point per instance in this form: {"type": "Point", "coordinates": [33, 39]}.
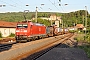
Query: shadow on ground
{"type": "Point", "coordinates": [59, 52]}
{"type": "Point", "coordinates": [6, 46]}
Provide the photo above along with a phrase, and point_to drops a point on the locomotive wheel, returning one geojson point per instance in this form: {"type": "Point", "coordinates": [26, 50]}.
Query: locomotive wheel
{"type": "Point", "coordinates": [47, 36]}
{"type": "Point", "coordinates": [33, 38]}
{"type": "Point", "coordinates": [42, 37]}
{"type": "Point", "coordinates": [39, 37]}
{"type": "Point", "coordinates": [28, 40]}
{"type": "Point", "coordinates": [18, 41]}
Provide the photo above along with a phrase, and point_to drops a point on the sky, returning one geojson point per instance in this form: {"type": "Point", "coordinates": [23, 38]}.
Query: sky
{"type": "Point", "coordinates": [44, 5]}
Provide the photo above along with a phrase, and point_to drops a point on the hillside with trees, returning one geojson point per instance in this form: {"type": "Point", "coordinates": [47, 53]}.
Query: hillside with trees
{"type": "Point", "coordinates": [77, 17]}
{"type": "Point", "coordinates": [69, 19]}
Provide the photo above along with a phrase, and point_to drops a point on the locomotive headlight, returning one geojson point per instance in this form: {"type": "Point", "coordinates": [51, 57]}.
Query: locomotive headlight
{"type": "Point", "coordinates": [17, 30]}
{"type": "Point", "coordinates": [25, 30]}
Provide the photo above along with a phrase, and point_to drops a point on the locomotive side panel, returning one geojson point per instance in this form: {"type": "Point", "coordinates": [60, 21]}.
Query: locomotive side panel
{"type": "Point", "coordinates": [28, 30]}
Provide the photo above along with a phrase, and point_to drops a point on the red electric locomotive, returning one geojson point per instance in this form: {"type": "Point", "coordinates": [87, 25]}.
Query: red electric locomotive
{"type": "Point", "coordinates": [26, 31]}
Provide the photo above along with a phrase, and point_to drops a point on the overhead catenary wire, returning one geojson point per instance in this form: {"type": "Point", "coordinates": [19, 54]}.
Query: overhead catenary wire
{"type": "Point", "coordinates": [57, 7]}
{"type": "Point", "coordinates": [60, 4]}
{"type": "Point", "coordinates": [19, 5]}
{"type": "Point", "coordinates": [12, 5]}
{"type": "Point", "coordinates": [28, 5]}
{"type": "Point", "coordinates": [8, 3]}
{"type": "Point", "coordinates": [54, 5]}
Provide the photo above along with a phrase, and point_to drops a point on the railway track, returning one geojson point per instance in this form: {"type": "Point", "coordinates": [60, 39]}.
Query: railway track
{"type": "Point", "coordinates": [6, 46]}
{"type": "Point", "coordinates": [44, 49]}
{"type": "Point", "coordinates": [35, 56]}
{"type": "Point", "coordinates": [30, 48]}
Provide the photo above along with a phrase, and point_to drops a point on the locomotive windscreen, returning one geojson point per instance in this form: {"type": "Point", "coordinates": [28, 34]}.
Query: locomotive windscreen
{"type": "Point", "coordinates": [22, 25]}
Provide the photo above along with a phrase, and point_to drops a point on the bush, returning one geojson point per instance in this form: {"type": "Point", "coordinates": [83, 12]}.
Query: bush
{"type": "Point", "coordinates": [12, 35]}
{"type": "Point", "coordinates": [86, 48]}
{"type": "Point", "coordinates": [72, 31]}
{"type": "Point", "coordinates": [43, 21]}
{"type": "Point", "coordinates": [75, 38]}
{"type": "Point", "coordinates": [0, 35]}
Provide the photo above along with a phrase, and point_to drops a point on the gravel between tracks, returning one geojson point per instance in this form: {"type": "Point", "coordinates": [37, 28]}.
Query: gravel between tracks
{"type": "Point", "coordinates": [27, 47]}
{"type": "Point", "coordinates": [24, 48]}
{"type": "Point", "coordinates": [62, 52]}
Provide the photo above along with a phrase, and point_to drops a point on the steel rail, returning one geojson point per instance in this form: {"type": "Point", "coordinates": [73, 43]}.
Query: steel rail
{"type": "Point", "coordinates": [34, 53]}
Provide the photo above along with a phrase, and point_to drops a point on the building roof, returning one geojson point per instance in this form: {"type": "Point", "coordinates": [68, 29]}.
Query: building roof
{"type": "Point", "coordinates": [8, 24]}
{"type": "Point", "coordinates": [79, 26]}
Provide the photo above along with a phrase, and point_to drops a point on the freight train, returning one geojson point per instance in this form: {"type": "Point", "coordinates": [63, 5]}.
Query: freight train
{"type": "Point", "coordinates": [28, 31]}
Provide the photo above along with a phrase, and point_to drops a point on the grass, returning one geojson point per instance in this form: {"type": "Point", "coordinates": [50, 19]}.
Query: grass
{"type": "Point", "coordinates": [1, 38]}
{"type": "Point", "coordinates": [86, 48]}
{"type": "Point", "coordinates": [80, 37]}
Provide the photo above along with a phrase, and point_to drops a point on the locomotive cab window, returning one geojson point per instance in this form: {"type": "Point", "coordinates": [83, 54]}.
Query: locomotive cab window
{"type": "Point", "coordinates": [25, 25]}
{"type": "Point", "coordinates": [19, 26]}
{"type": "Point", "coordinates": [22, 26]}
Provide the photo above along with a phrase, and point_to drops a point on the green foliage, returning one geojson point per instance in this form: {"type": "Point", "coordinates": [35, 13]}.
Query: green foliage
{"type": "Point", "coordinates": [0, 35]}
{"type": "Point", "coordinates": [75, 17]}
{"type": "Point", "coordinates": [79, 37]}
{"type": "Point", "coordinates": [45, 22]}
{"type": "Point", "coordinates": [88, 38]}
{"type": "Point", "coordinates": [82, 37]}
{"type": "Point", "coordinates": [12, 35]}
{"type": "Point", "coordinates": [72, 31]}
{"type": "Point", "coordinates": [69, 19]}
{"type": "Point", "coordinates": [86, 48]}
